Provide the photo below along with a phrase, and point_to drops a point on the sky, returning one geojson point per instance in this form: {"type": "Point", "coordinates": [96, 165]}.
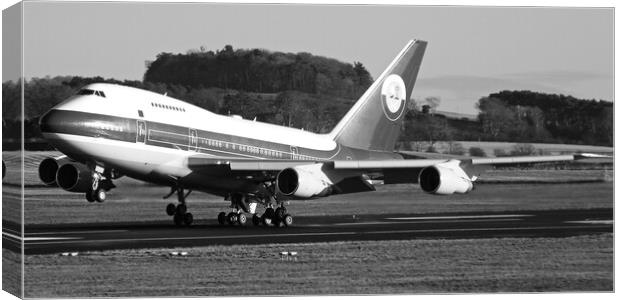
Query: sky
{"type": "Point", "coordinates": [472, 51]}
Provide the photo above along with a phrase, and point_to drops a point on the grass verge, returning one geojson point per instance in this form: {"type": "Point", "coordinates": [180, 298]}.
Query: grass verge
{"type": "Point", "coordinates": [581, 263]}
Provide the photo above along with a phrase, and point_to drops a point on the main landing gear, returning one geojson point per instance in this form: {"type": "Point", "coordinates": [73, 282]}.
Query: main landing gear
{"type": "Point", "coordinates": [244, 204]}
{"type": "Point", "coordinates": [179, 213]}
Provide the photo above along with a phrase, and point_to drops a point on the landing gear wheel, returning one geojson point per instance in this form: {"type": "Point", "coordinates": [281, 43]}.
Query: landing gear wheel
{"type": "Point", "coordinates": [181, 209]}
{"type": "Point", "coordinates": [242, 219]}
{"type": "Point", "coordinates": [279, 223]}
{"type": "Point", "coordinates": [280, 212]}
{"type": "Point", "coordinates": [221, 218]}
{"type": "Point", "coordinates": [287, 220]}
{"type": "Point", "coordinates": [269, 213]}
{"type": "Point", "coordinates": [232, 218]}
{"type": "Point", "coordinates": [265, 220]}
{"type": "Point", "coordinates": [171, 209]}
{"type": "Point", "coordinates": [178, 219]}
{"type": "Point", "coordinates": [89, 197]}
{"type": "Point", "coordinates": [256, 220]}
{"type": "Point", "coordinates": [188, 219]}
{"type": "Point", "coordinates": [99, 195]}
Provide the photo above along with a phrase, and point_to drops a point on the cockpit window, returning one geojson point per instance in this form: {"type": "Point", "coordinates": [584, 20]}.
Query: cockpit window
{"type": "Point", "coordinates": [91, 92]}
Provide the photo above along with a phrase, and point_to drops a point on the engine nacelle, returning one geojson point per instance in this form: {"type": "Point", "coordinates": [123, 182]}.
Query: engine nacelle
{"type": "Point", "coordinates": [445, 179]}
{"type": "Point", "coordinates": [305, 181]}
{"type": "Point", "coordinates": [48, 168]}
{"type": "Point", "coordinates": [74, 177]}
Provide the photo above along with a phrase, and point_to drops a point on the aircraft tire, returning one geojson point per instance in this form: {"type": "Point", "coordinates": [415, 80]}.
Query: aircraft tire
{"type": "Point", "coordinates": [181, 209]}
{"type": "Point", "coordinates": [178, 219]}
{"type": "Point", "coordinates": [242, 219]}
{"type": "Point", "coordinates": [221, 218]}
{"type": "Point", "coordinates": [89, 197]}
{"type": "Point", "coordinates": [99, 195]}
{"type": "Point", "coordinates": [265, 220]}
{"type": "Point", "coordinates": [280, 212]}
{"type": "Point", "coordinates": [256, 220]}
{"type": "Point", "coordinates": [171, 209]}
{"type": "Point", "coordinates": [232, 218]}
{"type": "Point", "coordinates": [188, 219]}
{"type": "Point", "coordinates": [269, 213]}
{"type": "Point", "coordinates": [287, 220]}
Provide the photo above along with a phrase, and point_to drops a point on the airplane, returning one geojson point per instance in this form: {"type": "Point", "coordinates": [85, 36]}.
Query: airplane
{"type": "Point", "coordinates": [106, 131]}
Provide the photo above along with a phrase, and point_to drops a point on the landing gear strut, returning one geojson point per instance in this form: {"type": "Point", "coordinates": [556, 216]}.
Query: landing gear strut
{"type": "Point", "coordinates": [179, 213]}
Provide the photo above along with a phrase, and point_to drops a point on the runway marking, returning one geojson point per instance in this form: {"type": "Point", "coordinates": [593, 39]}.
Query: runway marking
{"type": "Point", "coordinates": [485, 229]}
{"type": "Point", "coordinates": [460, 217]}
{"type": "Point", "coordinates": [319, 234]}
{"type": "Point", "coordinates": [74, 232]}
{"type": "Point", "coordinates": [606, 222]}
{"type": "Point", "coordinates": [50, 238]}
{"type": "Point", "coordinates": [12, 230]}
{"type": "Point", "coordinates": [413, 222]}
{"type": "Point", "coordinates": [204, 237]}
{"type": "Point", "coordinates": [19, 238]}
{"type": "Point", "coordinates": [12, 236]}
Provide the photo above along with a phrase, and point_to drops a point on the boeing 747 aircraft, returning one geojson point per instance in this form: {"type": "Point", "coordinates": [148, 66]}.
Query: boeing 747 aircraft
{"type": "Point", "coordinates": [106, 131]}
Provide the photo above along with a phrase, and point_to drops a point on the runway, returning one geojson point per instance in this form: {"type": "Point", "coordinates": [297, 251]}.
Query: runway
{"type": "Point", "coordinates": [42, 239]}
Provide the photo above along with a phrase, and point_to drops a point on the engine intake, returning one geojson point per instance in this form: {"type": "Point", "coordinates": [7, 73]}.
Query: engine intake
{"type": "Point", "coordinates": [304, 182]}
{"type": "Point", "coordinates": [445, 179]}
{"type": "Point", "coordinates": [74, 177]}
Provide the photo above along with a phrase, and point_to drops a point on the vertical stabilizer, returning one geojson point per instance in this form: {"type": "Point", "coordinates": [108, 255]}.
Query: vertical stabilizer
{"type": "Point", "coordinates": [374, 122]}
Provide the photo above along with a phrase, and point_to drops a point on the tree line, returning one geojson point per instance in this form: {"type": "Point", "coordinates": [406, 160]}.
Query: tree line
{"type": "Point", "coordinates": [313, 93]}
{"type": "Point", "coordinates": [260, 71]}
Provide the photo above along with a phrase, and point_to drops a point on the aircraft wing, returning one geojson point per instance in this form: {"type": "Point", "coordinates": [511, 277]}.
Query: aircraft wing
{"type": "Point", "coordinates": [197, 162]}
{"type": "Point", "coordinates": [357, 175]}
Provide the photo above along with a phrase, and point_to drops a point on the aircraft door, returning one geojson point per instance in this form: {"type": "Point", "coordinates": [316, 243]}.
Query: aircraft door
{"type": "Point", "coordinates": [294, 153]}
{"type": "Point", "coordinates": [140, 131]}
{"type": "Point", "coordinates": [193, 140]}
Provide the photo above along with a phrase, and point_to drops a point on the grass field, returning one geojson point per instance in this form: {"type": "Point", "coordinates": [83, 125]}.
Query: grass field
{"type": "Point", "coordinates": [583, 263]}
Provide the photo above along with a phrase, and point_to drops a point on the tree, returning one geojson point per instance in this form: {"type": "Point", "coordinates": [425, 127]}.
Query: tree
{"type": "Point", "coordinates": [455, 148]}
{"type": "Point", "coordinates": [523, 150]}
{"type": "Point", "coordinates": [477, 151]}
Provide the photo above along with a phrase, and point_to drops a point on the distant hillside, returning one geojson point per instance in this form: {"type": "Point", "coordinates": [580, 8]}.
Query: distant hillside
{"type": "Point", "coordinates": [261, 71]}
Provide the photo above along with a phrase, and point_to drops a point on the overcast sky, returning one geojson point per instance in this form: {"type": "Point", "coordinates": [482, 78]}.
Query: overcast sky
{"type": "Point", "coordinates": [472, 51]}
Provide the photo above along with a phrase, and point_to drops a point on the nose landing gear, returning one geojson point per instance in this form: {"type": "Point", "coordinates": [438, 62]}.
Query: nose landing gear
{"type": "Point", "coordinates": [100, 186]}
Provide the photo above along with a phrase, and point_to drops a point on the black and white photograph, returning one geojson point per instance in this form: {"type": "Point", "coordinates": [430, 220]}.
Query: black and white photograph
{"type": "Point", "coordinates": [218, 149]}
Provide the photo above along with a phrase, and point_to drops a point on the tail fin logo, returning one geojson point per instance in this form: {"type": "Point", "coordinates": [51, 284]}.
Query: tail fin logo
{"type": "Point", "coordinates": [393, 97]}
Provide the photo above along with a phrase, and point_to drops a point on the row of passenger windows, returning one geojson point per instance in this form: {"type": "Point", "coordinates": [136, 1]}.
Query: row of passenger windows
{"type": "Point", "coordinates": [167, 107]}
{"type": "Point", "coordinates": [91, 92]}
{"type": "Point", "coordinates": [252, 149]}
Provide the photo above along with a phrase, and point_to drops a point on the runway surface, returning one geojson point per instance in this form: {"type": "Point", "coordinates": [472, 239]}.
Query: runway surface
{"type": "Point", "coordinates": [41, 239]}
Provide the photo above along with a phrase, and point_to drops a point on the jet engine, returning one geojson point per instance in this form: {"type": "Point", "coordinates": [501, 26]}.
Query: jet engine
{"type": "Point", "coordinates": [445, 179]}
{"type": "Point", "coordinates": [48, 168]}
{"type": "Point", "coordinates": [305, 181]}
{"type": "Point", "coordinates": [74, 177]}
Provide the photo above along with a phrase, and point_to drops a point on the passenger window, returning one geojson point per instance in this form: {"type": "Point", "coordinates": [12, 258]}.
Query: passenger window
{"type": "Point", "coordinates": [140, 113]}
{"type": "Point", "coordinates": [102, 94]}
